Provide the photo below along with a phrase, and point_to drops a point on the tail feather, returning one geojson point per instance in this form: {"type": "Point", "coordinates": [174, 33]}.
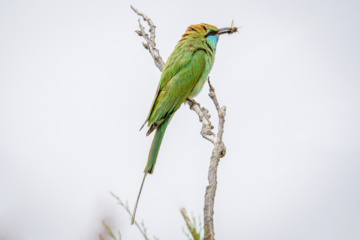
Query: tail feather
{"type": "Point", "coordinates": [137, 201]}
{"type": "Point", "coordinates": [154, 150]}
{"type": "Point", "coordinates": [155, 146]}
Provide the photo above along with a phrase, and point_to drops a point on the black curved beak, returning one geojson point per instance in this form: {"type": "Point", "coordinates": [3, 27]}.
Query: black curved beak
{"type": "Point", "coordinates": [226, 30]}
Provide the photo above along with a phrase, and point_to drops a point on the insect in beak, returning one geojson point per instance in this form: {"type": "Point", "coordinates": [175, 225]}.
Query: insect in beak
{"type": "Point", "coordinates": [228, 30]}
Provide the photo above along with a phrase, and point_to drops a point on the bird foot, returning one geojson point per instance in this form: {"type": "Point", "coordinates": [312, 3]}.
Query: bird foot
{"type": "Point", "coordinates": [192, 102]}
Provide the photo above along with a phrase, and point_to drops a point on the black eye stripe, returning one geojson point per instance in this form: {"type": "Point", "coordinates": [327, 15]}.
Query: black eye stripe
{"type": "Point", "coordinates": [211, 32]}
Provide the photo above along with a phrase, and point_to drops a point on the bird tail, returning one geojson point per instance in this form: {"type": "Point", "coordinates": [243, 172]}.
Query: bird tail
{"type": "Point", "coordinates": [154, 150]}
{"type": "Point", "coordinates": [137, 201]}
{"type": "Point", "coordinates": [155, 146]}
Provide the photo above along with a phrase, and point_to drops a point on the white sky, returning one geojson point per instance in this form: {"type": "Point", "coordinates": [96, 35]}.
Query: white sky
{"type": "Point", "coordinates": [76, 85]}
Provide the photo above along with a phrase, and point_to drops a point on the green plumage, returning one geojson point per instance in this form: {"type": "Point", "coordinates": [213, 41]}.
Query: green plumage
{"type": "Point", "coordinates": [155, 146]}
{"type": "Point", "coordinates": [183, 76]}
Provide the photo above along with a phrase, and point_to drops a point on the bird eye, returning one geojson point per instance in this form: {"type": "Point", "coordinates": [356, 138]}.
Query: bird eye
{"type": "Point", "coordinates": [211, 32]}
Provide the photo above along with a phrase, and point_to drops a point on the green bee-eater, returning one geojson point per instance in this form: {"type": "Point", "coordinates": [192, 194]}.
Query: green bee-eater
{"type": "Point", "coordinates": [183, 77]}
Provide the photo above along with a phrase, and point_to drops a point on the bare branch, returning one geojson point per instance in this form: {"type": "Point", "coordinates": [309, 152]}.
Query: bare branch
{"type": "Point", "coordinates": [150, 41]}
{"type": "Point", "coordinates": [218, 152]}
{"type": "Point", "coordinates": [221, 114]}
{"type": "Point", "coordinates": [204, 118]}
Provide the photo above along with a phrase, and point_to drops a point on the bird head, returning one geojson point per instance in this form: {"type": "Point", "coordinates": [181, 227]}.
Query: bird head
{"type": "Point", "coordinates": [206, 32]}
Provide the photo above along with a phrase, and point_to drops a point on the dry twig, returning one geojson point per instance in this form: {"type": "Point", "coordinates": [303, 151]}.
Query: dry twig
{"type": "Point", "coordinates": [150, 41]}
{"type": "Point", "coordinates": [218, 152]}
{"type": "Point", "coordinates": [219, 149]}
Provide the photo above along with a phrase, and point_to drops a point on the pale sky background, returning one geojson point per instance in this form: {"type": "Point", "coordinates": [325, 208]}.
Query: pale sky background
{"type": "Point", "coordinates": [76, 85]}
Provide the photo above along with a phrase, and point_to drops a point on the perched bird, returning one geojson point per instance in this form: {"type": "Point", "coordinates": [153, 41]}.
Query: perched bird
{"type": "Point", "coordinates": [183, 77]}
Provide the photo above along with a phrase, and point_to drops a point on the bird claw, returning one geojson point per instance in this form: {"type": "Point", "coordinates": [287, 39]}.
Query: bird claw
{"type": "Point", "coordinates": [192, 102]}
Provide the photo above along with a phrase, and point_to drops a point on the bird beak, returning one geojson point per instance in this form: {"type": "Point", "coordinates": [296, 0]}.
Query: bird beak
{"type": "Point", "coordinates": [225, 30]}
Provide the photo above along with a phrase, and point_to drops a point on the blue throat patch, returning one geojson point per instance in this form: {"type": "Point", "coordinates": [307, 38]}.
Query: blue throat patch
{"type": "Point", "coordinates": [213, 40]}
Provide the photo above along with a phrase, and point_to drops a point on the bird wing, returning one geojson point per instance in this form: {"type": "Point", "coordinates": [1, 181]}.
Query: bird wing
{"type": "Point", "coordinates": [177, 81]}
